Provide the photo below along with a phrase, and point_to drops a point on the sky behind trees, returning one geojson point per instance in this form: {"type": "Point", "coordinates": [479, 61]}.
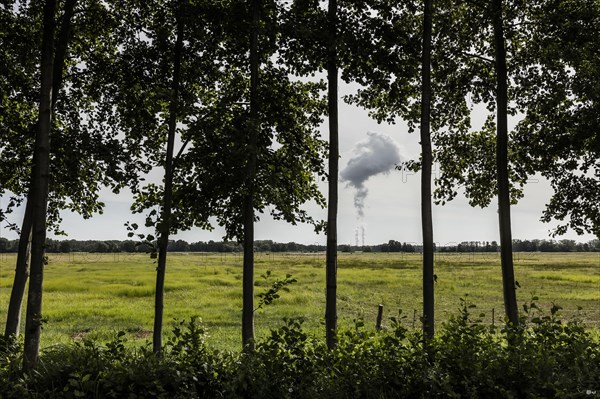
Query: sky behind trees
{"type": "Point", "coordinates": [391, 209]}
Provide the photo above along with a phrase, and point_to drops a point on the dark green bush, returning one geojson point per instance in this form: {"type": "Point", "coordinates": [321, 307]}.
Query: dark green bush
{"type": "Point", "coordinates": [288, 364]}
{"type": "Point", "coordinates": [542, 358]}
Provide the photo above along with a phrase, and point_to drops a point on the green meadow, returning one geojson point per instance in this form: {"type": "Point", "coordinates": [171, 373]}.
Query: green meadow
{"type": "Point", "coordinates": [92, 296]}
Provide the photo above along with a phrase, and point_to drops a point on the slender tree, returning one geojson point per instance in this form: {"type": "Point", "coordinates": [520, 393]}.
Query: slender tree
{"type": "Point", "coordinates": [394, 89]}
{"type": "Point", "coordinates": [332, 203]}
{"type": "Point", "coordinates": [426, 165]}
{"type": "Point", "coordinates": [39, 197]}
{"type": "Point", "coordinates": [165, 223]}
{"type": "Point", "coordinates": [248, 213]}
{"type": "Point", "coordinates": [13, 319]}
{"type": "Point", "coordinates": [508, 276]}
{"type": "Point", "coordinates": [217, 126]}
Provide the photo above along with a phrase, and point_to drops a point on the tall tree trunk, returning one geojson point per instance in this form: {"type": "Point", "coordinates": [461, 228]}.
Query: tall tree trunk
{"type": "Point", "coordinates": [248, 212]}
{"type": "Point", "coordinates": [508, 277]}
{"type": "Point", "coordinates": [39, 197]}
{"type": "Point", "coordinates": [165, 223]}
{"type": "Point", "coordinates": [332, 205]}
{"type": "Point", "coordinates": [13, 319]}
{"type": "Point", "coordinates": [426, 162]}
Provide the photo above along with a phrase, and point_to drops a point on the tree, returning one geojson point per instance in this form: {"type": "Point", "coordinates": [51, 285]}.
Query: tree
{"type": "Point", "coordinates": [311, 43]}
{"type": "Point", "coordinates": [39, 192]}
{"type": "Point", "coordinates": [179, 246]}
{"type": "Point", "coordinates": [249, 183]}
{"type": "Point", "coordinates": [65, 247]}
{"type": "Point", "coordinates": [85, 155]}
{"type": "Point", "coordinates": [101, 247]}
{"type": "Point", "coordinates": [469, 67]}
{"type": "Point", "coordinates": [22, 266]}
{"type": "Point", "coordinates": [128, 246]}
{"type": "Point", "coordinates": [165, 223]}
{"type": "Point", "coordinates": [462, 69]}
{"type": "Point", "coordinates": [549, 50]}
{"type": "Point", "coordinates": [4, 245]}
{"type": "Point", "coordinates": [144, 100]}
{"type": "Point", "coordinates": [17, 110]}
{"type": "Point", "coordinates": [545, 49]}
{"type": "Point", "coordinates": [13, 317]}
{"type": "Point", "coordinates": [556, 88]}
{"type": "Point", "coordinates": [502, 169]}
{"type": "Point", "coordinates": [161, 82]}
{"type": "Point", "coordinates": [332, 203]}
{"type": "Point", "coordinates": [219, 155]}
{"type": "Point", "coordinates": [426, 165]}
{"type": "Point", "coordinates": [399, 86]}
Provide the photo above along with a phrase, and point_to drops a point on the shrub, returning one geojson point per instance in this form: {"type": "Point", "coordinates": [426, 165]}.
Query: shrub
{"type": "Point", "coordinates": [543, 357]}
{"type": "Point", "coordinates": [288, 364]}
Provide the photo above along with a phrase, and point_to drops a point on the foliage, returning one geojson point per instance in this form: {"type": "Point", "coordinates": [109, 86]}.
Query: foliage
{"type": "Point", "coordinates": [86, 154]}
{"type": "Point", "coordinates": [186, 369]}
{"type": "Point", "coordinates": [544, 358]}
{"type": "Point", "coordinates": [272, 293]}
{"type": "Point", "coordinates": [285, 365]}
{"type": "Point", "coordinates": [552, 49]}
{"type": "Point", "coordinates": [145, 243]}
{"type": "Point", "coordinates": [215, 121]}
{"type": "Point", "coordinates": [558, 89]}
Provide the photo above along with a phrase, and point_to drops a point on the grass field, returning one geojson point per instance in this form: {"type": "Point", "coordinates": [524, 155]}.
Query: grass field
{"type": "Point", "coordinates": [95, 295]}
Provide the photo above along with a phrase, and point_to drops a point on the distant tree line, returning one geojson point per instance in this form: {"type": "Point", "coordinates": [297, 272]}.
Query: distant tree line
{"type": "Point", "coordinates": [525, 246]}
{"type": "Point", "coordinates": [130, 246]}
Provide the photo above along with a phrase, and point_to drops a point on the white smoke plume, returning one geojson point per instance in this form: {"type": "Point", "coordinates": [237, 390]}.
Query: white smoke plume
{"type": "Point", "coordinates": [377, 154]}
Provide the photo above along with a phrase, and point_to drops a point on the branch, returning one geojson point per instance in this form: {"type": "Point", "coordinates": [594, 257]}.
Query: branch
{"type": "Point", "coordinates": [217, 107]}
{"type": "Point", "coordinates": [478, 56]}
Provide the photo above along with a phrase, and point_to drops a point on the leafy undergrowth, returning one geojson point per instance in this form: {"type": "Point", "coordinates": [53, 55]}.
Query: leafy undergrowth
{"type": "Point", "coordinates": [546, 358]}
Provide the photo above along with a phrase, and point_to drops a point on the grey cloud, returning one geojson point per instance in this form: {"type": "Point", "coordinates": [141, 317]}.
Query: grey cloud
{"type": "Point", "coordinates": [377, 154]}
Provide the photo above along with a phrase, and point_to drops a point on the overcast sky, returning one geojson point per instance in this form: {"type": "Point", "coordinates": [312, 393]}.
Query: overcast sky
{"type": "Point", "coordinates": [388, 200]}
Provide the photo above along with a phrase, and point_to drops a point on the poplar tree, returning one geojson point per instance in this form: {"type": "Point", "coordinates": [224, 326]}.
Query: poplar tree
{"type": "Point", "coordinates": [165, 222]}
{"type": "Point", "coordinates": [249, 144]}
{"type": "Point", "coordinates": [39, 191]}
{"type": "Point", "coordinates": [333, 157]}
{"type": "Point", "coordinates": [84, 156]}
{"type": "Point", "coordinates": [426, 166]}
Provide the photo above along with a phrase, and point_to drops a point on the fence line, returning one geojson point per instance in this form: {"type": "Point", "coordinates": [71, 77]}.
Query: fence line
{"type": "Point", "coordinates": [497, 318]}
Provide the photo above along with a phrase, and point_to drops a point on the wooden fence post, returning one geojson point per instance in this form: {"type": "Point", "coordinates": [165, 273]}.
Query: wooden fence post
{"type": "Point", "coordinates": [379, 317]}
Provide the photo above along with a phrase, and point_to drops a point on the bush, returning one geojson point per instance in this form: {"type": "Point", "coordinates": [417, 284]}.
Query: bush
{"type": "Point", "coordinates": [288, 364]}
{"type": "Point", "coordinates": [544, 357]}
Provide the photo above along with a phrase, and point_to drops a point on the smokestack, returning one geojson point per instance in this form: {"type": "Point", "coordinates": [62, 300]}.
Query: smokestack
{"type": "Point", "coordinates": [362, 231]}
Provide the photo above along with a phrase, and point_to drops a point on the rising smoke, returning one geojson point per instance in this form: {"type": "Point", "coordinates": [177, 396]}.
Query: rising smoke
{"type": "Point", "coordinates": [377, 154]}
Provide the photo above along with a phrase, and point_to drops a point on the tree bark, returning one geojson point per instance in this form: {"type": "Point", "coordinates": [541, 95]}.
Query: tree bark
{"type": "Point", "coordinates": [508, 278]}
{"type": "Point", "coordinates": [39, 197]}
{"type": "Point", "coordinates": [332, 206]}
{"type": "Point", "coordinates": [248, 205]}
{"type": "Point", "coordinates": [165, 223]}
{"type": "Point", "coordinates": [426, 163]}
{"type": "Point", "coordinates": [13, 319]}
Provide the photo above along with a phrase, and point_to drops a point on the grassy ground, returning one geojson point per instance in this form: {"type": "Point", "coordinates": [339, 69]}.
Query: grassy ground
{"type": "Point", "coordinates": [95, 295]}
